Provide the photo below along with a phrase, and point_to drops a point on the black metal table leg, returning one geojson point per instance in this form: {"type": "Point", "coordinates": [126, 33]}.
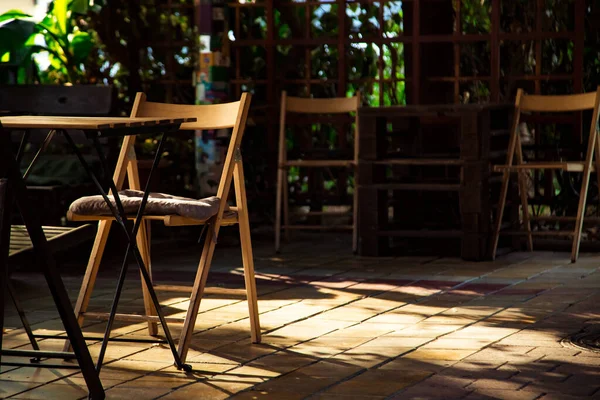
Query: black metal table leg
{"type": "Point", "coordinates": [21, 150]}
{"type": "Point", "coordinates": [8, 286]}
{"type": "Point", "coordinates": [10, 170]}
{"type": "Point", "coordinates": [131, 233]}
{"type": "Point", "coordinates": [4, 249]}
{"type": "Point", "coordinates": [23, 317]}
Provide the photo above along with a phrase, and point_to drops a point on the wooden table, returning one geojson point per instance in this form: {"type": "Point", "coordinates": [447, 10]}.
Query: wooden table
{"type": "Point", "coordinates": [105, 126]}
{"type": "Point", "coordinates": [14, 191]}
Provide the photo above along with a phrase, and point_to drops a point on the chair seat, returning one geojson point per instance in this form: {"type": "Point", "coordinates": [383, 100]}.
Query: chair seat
{"type": "Point", "coordinates": [160, 206]}
{"type": "Point", "coordinates": [573, 166]}
{"type": "Point", "coordinates": [230, 217]}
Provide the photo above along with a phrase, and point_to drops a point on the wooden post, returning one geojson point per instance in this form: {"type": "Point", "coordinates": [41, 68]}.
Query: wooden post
{"type": "Point", "coordinates": [372, 213]}
{"type": "Point", "coordinates": [474, 185]}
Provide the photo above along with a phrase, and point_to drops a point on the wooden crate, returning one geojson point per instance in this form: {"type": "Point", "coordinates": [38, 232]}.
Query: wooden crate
{"type": "Point", "coordinates": [424, 173]}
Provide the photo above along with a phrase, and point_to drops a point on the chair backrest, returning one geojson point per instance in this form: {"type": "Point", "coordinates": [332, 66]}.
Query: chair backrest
{"type": "Point", "coordinates": [56, 100]}
{"type": "Point", "coordinates": [213, 116]}
{"type": "Point", "coordinates": [558, 104]}
{"type": "Point", "coordinates": [335, 105]}
{"type": "Point", "coordinates": [564, 103]}
{"type": "Point", "coordinates": [302, 105]}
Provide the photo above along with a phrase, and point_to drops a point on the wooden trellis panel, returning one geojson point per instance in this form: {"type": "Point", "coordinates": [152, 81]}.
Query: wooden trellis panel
{"type": "Point", "coordinates": [448, 51]}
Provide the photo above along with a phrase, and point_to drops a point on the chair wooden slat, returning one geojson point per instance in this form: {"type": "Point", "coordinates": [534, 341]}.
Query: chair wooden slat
{"type": "Point", "coordinates": [566, 166]}
{"type": "Point", "coordinates": [168, 220]}
{"type": "Point", "coordinates": [212, 116]}
{"type": "Point", "coordinates": [566, 103]}
{"type": "Point", "coordinates": [337, 105]}
{"type": "Point", "coordinates": [21, 243]}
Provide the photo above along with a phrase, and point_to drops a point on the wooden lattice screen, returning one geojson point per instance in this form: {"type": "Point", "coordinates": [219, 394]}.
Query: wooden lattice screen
{"type": "Point", "coordinates": [400, 52]}
{"type": "Point", "coordinates": [171, 54]}
{"type": "Point", "coordinates": [486, 40]}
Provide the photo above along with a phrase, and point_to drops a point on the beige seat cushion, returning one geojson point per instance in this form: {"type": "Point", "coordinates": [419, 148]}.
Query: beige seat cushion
{"type": "Point", "coordinates": [158, 204]}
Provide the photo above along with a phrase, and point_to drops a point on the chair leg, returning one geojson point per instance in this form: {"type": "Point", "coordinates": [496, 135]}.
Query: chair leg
{"type": "Point", "coordinates": [5, 217]}
{"type": "Point", "coordinates": [278, 210]}
{"type": "Point", "coordinates": [597, 164]}
{"type": "Point", "coordinates": [355, 220]}
{"type": "Point", "coordinates": [585, 184]}
{"type": "Point", "coordinates": [143, 243]}
{"type": "Point", "coordinates": [197, 293]}
{"type": "Point", "coordinates": [89, 279]}
{"type": "Point", "coordinates": [247, 258]}
{"type": "Point", "coordinates": [286, 207]}
{"type": "Point", "coordinates": [525, 207]}
{"type": "Point", "coordinates": [500, 212]}
{"type": "Point", "coordinates": [524, 195]}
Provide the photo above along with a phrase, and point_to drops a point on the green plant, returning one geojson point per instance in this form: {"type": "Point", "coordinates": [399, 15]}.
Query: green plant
{"type": "Point", "coordinates": [59, 41]}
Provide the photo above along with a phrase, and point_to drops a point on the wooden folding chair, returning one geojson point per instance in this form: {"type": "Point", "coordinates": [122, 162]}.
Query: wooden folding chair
{"type": "Point", "coordinates": [218, 116]}
{"type": "Point", "coordinates": [515, 163]}
{"type": "Point", "coordinates": [339, 105]}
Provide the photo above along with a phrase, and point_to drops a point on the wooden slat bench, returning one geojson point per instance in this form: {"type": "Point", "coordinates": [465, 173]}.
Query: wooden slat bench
{"type": "Point", "coordinates": [59, 237]}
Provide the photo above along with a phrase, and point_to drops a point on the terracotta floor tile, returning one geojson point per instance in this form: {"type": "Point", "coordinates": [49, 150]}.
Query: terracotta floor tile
{"type": "Point", "coordinates": [425, 391]}
{"type": "Point", "coordinates": [503, 394]}
{"type": "Point", "coordinates": [265, 394]}
{"type": "Point", "coordinates": [297, 382]}
{"type": "Point", "coordinates": [410, 364]}
{"type": "Point", "coordinates": [199, 390]}
{"type": "Point", "coordinates": [456, 344]}
{"type": "Point", "coordinates": [54, 391]}
{"type": "Point", "coordinates": [41, 375]}
{"type": "Point", "coordinates": [234, 383]}
{"type": "Point", "coordinates": [481, 384]}
{"type": "Point", "coordinates": [377, 383]}
{"type": "Point", "coordinates": [368, 357]}
{"type": "Point", "coordinates": [251, 371]}
{"type": "Point", "coordinates": [336, 396]}
{"type": "Point", "coordinates": [282, 362]}
{"type": "Point", "coordinates": [330, 368]}
{"type": "Point", "coordinates": [10, 388]}
{"type": "Point", "coordinates": [439, 354]}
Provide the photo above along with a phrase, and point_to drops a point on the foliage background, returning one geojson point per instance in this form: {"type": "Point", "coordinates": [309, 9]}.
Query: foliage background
{"type": "Point", "coordinates": [150, 46]}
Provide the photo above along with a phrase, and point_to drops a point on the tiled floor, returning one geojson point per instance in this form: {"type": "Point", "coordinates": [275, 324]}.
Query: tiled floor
{"type": "Point", "coordinates": [337, 326]}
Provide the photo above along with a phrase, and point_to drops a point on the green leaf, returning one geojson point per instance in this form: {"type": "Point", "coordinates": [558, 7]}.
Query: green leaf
{"type": "Point", "coordinates": [56, 62]}
{"type": "Point", "coordinates": [60, 13]}
{"type": "Point", "coordinates": [49, 28]}
{"type": "Point", "coordinates": [13, 37]}
{"type": "Point", "coordinates": [79, 6]}
{"type": "Point", "coordinates": [81, 45]}
{"type": "Point", "coordinates": [13, 14]}
{"type": "Point", "coordinates": [31, 40]}
{"type": "Point", "coordinates": [47, 23]}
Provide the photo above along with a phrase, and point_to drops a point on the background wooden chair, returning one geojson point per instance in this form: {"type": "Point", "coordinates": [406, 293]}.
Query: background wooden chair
{"type": "Point", "coordinates": [340, 105]}
{"type": "Point", "coordinates": [515, 163]}
{"type": "Point", "coordinates": [220, 116]}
